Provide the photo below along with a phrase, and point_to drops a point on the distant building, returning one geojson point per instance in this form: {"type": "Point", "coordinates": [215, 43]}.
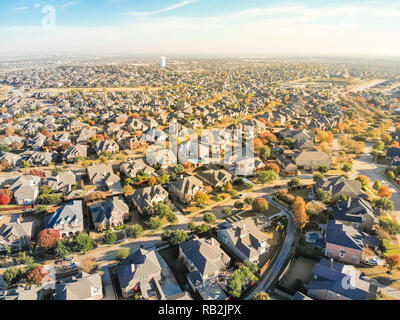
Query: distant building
{"type": "Point", "coordinates": [163, 62]}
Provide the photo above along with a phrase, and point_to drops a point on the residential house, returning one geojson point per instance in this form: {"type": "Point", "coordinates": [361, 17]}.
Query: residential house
{"type": "Point", "coordinates": [337, 281]}
{"type": "Point", "coordinates": [73, 152]}
{"type": "Point", "coordinates": [204, 260]}
{"type": "Point", "coordinates": [355, 212]}
{"type": "Point", "coordinates": [106, 146]}
{"type": "Point", "coordinates": [139, 273]}
{"type": "Point", "coordinates": [63, 181]}
{"type": "Point", "coordinates": [243, 239]}
{"type": "Point", "coordinates": [109, 213]}
{"type": "Point", "coordinates": [11, 158]}
{"type": "Point", "coordinates": [393, 156]}
{"type": "Point", "coordinates": [68, 219]}
{"type": "Point", "coordinates": [17, 235]}
{"type": "Point", "coordinates": [345, 243]}
{"type": "Point", "coordinates": [145, 199]}
{"type": "Point", "coordinates": [214, 178]}
{"type": "Point", "coordinates": [186, 188]}
{"type": "Point", "coordinates": [26, 189]}
{"type": "Point", "coordinates": [102, 175]}
{"type": "Point", "coordinates": [312, 159]}
{"type": "Point", "coordinates": [287, 166]}
{"type": "Point", "coordinates": [247, 166]}
{"type": "Point", "coordinates": [85, 287]}
{"type": "Point", "coordinates": [135, 166]}
{"type": "Point", "coordinates": [340, 186]}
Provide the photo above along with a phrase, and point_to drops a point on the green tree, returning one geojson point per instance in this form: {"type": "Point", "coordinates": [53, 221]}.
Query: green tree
{"type": "Point", "coordinates": [128, 190]}
{"type": "Point", "coordinates": [109, 237]}
{"type": "Point", "coordinates": [62, 251]}
{"type": "Point", "coordinates": [154, 223]}
{"type": "Point", "coordinates": [210, 218]}
{"type": "Point", "coordinates": [174, 237]}
{"type": "Point", "coordinates": [227, 211]}
{"type": "Point", "coordinates": [122, 254]}
{"type": "Point", "coordinates": [379, 145]}
{"type": "Point", "coordinates": [24, 258]}
{"type": "Point", "coordinates": [323, 169]}
{"type": "Point", "coordinates": [202, 229]}
{"type": "Point", "coordinates": [265, 152]}
{"type": "Point", "coordinates": [294, 182]}
{"type": "Point", "coordinates": [163, 179]}
{"type": "Point", "coordinates": [179, 168]}
{"type": "Point", "coordinates": [347, 167]}
{"type": "Point", "coordinates": [390, 175]}
{"type": "Point", "coordinates": [84, 242]}
{"type": "Point", "coordinates": [377, 185]}
{"type": "Point", "coordinates": [40, 209]}
{"type": "Point", "coordinates": [266, 176]}
{"type": "Point", "coordinates": [323, 195]}
{"type": "Point", "coordinates": [318, 176]}
{"type": "Point", "coordinates": [11, 275]}
{"type": "Point", "coordinates": [134, 231]}
{"type": "Point", "coordinates": [384, 204]}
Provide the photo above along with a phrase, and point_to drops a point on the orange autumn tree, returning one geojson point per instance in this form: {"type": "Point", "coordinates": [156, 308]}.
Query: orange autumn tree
{"type": "Point", "coordinates": [392, 261]}
{"type": "Point", "coordinates": [48, 237]}
{"type": "Point", "coordinates": [37, 275]}
{"type": "Point", "coordinates": [300, 214]}
{"type": "Point", "coordinates": [384, 192]}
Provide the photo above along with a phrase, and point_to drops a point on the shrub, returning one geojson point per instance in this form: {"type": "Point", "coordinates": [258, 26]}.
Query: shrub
{"type": "Point", "coordinates": [154, 223]}
{"type": "Point", "coordinates": [210, 218]}
{"type": "Point", "coordinates": [260, 205]}
{"type": "Point", "coordinates": [110, 237]}
{"type": "Point", "coordinates": [174, 237]}
{"type": "Point", "coordinates": [122, 254]}
{"type": "Point", "coordinates": [227, 211]}
{"type": "Point", "coordinates": [134, 231]}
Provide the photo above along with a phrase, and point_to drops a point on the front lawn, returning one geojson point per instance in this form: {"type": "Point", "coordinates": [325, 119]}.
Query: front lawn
{"type": "Point", "coordinates": [379, 273]}
{"type": "Point", "coordinates": [304, 193]}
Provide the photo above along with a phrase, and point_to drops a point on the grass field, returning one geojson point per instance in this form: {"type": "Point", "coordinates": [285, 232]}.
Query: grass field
{"type": "Point", "coordinates": [379, 273]}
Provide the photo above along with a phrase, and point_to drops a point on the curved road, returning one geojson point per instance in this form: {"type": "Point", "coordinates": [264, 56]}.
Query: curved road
{"type": "Point", "coordinates": [272, 273]}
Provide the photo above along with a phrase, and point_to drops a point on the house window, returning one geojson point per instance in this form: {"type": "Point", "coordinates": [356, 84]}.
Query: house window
{"type": "Point", "coordinates": [342, 254]}
{"type": "Point", "coordinates": [225, 239]}
{"type": "Point", "coordinates": [355, 225]}
{"type": "Point", "coordinates": [328, 252]}
{"type": "Point", "coordinates": [354, 258]}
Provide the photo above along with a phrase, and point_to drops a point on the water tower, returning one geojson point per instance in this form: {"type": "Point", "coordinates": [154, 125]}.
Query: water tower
{"type": "Point", "coordinates": [163, 62]}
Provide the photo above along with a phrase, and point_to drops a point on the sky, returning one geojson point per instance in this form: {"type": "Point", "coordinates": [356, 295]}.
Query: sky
{"type": "Point", "coordinates": [227, 27]}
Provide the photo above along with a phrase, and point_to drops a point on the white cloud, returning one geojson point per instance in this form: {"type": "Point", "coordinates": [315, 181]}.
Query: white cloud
{"type": "Point", "coordinates": [349, 30]}
{"type": "Point", "coordinates": [21, 8]}
{"type": "Point", "coordinates": [150, 13]}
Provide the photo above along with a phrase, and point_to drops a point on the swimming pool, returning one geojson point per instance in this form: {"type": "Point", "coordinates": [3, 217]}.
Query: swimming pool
{"type": "Point", "coordinates": [312, 236]}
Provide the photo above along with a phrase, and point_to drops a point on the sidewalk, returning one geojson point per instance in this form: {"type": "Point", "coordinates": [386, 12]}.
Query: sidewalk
{"type": "Point", "coordinates": [392, 292]}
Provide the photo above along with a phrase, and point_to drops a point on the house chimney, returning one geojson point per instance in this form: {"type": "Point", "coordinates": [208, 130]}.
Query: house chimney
{"type": "Point", "coordinates": [243, 227]}
{"type": "Point", "coordinates": [18, 220]}
{"type": "Point", "coordinates": [212, 241]}
{"type": "Point", "coordinates": [331, 263]}
{"type": "Point", "coordinates": [132, 268]}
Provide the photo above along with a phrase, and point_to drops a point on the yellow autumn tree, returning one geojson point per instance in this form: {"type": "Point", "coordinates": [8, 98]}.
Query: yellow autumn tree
{"type": "Point", "coordinates": [299, 212]}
